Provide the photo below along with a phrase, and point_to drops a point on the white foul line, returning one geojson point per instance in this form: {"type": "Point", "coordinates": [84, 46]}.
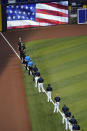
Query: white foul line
{"type": "Point", "coordinates": [10, 45]}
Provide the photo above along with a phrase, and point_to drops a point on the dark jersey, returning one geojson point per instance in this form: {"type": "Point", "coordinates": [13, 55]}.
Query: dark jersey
{"type": "Point", "coordinates": [23, 47]}
{"type": "Point", "coordinates": [37, 74]}
{"type": "Point", "coordinates": [57, 99]}
{"type": "Point", "coordinates": [68, 114]}
{"type": "Point", "coordinates": [49, 88]}
{"type": "Point", "coordinates": [40, 80]}
{"type": "Point", "coordinates": [19, 45]}
{"type": "Point", "coordinates": [65, 109]}
{"type": "Point", "coordinates": [73, 121]}
{"type": "Point", "coordinates": [35, 69]}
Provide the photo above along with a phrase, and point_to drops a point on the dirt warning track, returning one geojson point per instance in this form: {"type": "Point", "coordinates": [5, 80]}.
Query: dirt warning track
{"type": "Point", "coordinates": [13, 108]}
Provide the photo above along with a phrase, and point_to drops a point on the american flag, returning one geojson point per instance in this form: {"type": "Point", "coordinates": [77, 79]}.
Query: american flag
{"type": "Point", "coordinates": [40, 14]}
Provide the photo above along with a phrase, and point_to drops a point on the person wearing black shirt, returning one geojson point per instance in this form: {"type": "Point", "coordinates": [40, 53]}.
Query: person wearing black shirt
{"type": "Point", "coordinates": [22, 55]}
{"type": "Point", "coordinates": [64, 109]}
{"type": "Point", "coordinates": [68, 114]}
{"type": "Point", "coordinates": [49, 91]}
{"type": "Point", "coordinates": [34, 70]}
{"type": "Point", "coordinates": [19, 43]}
{"type": "Point", "coordinates": [23, 46]}
{"type": "Point", "coordinates": [72, 122]}
{"type": "Point", "coordinates": [67, 118]}
{"type": "Point", "coordinates": [40, 85]}
{"type": "Point", "coordinates": [56, 104]}
{"type": "Point", "coordinates": [37, 76]}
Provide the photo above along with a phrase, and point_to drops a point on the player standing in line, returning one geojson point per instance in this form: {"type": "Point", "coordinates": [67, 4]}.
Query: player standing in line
{"type": "Point", "coordinates": [49, 91]}
{"type": "Point", "coordinates": [37, 76]}
{"type": "Point", "coordinates": [34, 70]}
{"type": "Point", "coordinates": [22, 54]}
{"type": "Point", "coordinates": [27, 59]}
{"type": "Point", "coordinates": [19, 43]}
{"type": "Point", "coordinates": [23, 46]}
{"type": "Point", "coordinates": [30, 66]}
{"type": "Point", "coordinates": [64, 109]}
{"type": "Point", "coordinates": [67, 118]}
{"type": "Point", "coordinates": [56, 104]}
{"type": "Point", "coordinates": [40, 85]}
{"type": "Point", "coordinates": [72, 122]}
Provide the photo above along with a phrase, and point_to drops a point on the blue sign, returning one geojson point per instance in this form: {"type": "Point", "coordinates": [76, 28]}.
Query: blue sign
{"type": "Point", "coordinates": [86, 15]}
{"type": "Point", "coordinates": [82, 16]}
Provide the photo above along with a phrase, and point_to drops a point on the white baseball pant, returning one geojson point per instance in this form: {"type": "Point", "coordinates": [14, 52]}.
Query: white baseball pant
{"type": "Point", "coordinates": [63, 118]}
{"type": "Point", "coordinates": [40, 87]}
{"type": "Point", "coordinates": [49, 96]}
{"type": "Point", "coordinates": [70, 126]}
{"type": "Point", "coordinates": [66, 122]}
{"type": "Point", "coordinates": [56, 107]}
{"type": "Point", "coordinates": [36, 79]}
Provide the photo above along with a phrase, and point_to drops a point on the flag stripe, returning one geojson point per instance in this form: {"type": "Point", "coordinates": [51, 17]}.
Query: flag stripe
{"type": "Point", "coordinates": [65, 3]}
{"type": "Point", "coordinates": [53, 22]}
{"type": "Point", "coordinates": [57, 5]}
{"type": "Point", "coordinates": [26, 23]}
{"type": "Point", "coordinates": [50, 12]}
{"type": "Point", "coordinates": [52, 17]}
{"type": "Point", "coordinates": [47, 7]}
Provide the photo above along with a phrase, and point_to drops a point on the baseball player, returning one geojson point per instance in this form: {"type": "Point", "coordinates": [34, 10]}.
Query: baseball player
{"type": "Point", "coordinates": [22, 55]}
{"type": "Point", "coordinates": [64, 109]}
{"type": "Point", "coordinates": [56, 104]}
{"type": "Point", "coordinates": [72, 121]}
{"type": "Point", "coordinates": [34, 70]}
{"type": "Point", "coordinates": [40, 85]}
{"type": "Point", "coordinates": [30, 66]}
{"type": "Point", "coordinates": [49, 91]}
{"type": "Point", "coordinates": [67, 118]}
{"type": "Point", "coordinates": [27, 59]}
{"type": "Point", "coordinates": [23, 46]}
{"type": "Point", "coordinates": [37, 76]}
{"type": "Point", "coordinates": [19, 43]}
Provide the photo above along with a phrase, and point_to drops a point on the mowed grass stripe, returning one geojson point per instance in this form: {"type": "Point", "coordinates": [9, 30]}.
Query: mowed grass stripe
{"type": "Point", "coordinates": [62, 62]}
{"type": "Point", "coordinates": [73, 87]}
{"type": "Point", "coordinates": [72, 72]}
{"type": "Point", "coordinates": [51, 46]}
{"type": "Point", "coordinates": [56, 56]}
{"type": "Point", "coordinates": [60, 67]}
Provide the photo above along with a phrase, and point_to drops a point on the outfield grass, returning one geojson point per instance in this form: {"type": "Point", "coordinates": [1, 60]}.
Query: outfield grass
{"type": "Point", "coordinates": [62, 63]}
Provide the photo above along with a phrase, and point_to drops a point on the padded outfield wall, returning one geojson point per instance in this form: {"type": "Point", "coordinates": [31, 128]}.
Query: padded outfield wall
{"type": "Point", "coordinates": [33, 13]}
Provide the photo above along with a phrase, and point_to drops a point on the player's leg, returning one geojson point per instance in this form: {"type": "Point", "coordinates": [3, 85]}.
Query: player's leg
{"type": "Point", "coordinates": [39, 87]}
{"type": "Point", "coordinates": [42, 87]}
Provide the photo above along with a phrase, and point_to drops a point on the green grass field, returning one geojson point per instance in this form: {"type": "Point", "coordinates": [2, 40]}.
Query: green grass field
{"type": "Point", "coordinates": [62, 63]}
